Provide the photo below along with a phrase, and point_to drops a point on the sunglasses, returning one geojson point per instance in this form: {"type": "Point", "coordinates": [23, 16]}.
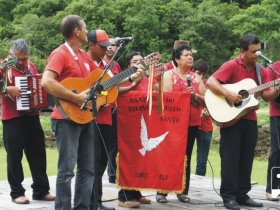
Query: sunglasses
{"type": "Point", "coordinates": [113, 45]}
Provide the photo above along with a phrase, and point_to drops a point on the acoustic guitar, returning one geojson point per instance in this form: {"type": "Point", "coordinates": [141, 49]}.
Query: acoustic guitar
{"type": "Point", "coordinates": [224, 113]}
{"type": "Point", "coordinates": [106, 90]}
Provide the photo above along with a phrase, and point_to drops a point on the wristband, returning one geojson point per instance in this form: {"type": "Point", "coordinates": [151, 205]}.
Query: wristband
{"type": "Point", "coordinates": [129, 78]}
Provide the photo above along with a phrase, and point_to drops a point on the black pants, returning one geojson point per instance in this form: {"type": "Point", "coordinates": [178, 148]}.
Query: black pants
{"type": "Point", "coordinates": [130, 195]}
{"type": "Point", "coordinates": [102, 158]}
{"type": "Point", "coordinates": [113, 148]}
{"type": "Point", "coordinates": [274, 156]}
{"type": "Point", "coordinates": [192, 130]}
{"type": "Point", "coordinates": [25, 133]}
{"type": "Point", "coordinates": [237, 153]}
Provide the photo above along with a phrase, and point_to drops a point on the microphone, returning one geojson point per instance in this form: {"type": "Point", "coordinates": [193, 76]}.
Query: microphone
{"type": "Point", "coordinates": [118, 39]}
{"type": "Point", "coordinates": [259, 54]}
{"type": "Point", "coordinates": [189, 78]}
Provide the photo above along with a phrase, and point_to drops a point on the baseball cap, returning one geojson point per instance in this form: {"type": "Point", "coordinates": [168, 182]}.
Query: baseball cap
{"type": "Point", "coordinates": [100, 37]}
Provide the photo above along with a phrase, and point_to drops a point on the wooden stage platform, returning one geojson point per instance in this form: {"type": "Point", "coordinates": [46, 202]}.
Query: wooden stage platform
{"type": "Point", "coordinates": [201, 193]}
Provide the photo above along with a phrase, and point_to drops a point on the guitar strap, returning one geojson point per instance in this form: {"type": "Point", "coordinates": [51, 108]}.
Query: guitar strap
{"type": "Point", "coordinates": [258, 71]}
{"type": "Point", "coordinates": [71, 51]}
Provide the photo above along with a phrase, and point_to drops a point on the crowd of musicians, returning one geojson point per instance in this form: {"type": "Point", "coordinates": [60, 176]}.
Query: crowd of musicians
{"type": "Point", "coordinates": [22, 130]}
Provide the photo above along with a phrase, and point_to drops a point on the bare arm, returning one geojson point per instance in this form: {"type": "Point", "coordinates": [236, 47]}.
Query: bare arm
{"type": "Point", "coordinates": [124, 90]}
{"type": "Point", "coordinates": [202, 90]}
{"type": "Point", "coordinates": [167, 81]}
{"type": "Point", "coordinates": [57, 90]}
{"type": "Point", "coordinates": [136, 75]}
{"type": "Point", "coordinates": [269, 95]}
{"type": "Point", "coordinates": [216, 87]}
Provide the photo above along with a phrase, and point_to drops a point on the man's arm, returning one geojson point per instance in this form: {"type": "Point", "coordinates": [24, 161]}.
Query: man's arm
{"type": "Point", "coordinates": [216, 87]}
{"type": "Point", "coordinates": [269, 95]}
{"type": "Point", "coordinates": [57, 90]}
{"type": "Point", "coordinates": [200, 97]}
{"type": "Point", "coordinates": [124, 90]}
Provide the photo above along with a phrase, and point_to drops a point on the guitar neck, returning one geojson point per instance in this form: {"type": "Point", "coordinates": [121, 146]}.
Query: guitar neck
{"type": "Point", "coordinates": [264, 86]}
{"type": "Point", "coordinates": [119, 77]}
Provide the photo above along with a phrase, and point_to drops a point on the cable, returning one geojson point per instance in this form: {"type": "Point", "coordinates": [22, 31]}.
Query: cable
{"type": "Point", "coordinates": [109, 161]}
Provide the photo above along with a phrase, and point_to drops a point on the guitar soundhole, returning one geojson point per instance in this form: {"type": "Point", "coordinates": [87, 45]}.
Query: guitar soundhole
{"type": "Point", "coordinates": [244, 94]}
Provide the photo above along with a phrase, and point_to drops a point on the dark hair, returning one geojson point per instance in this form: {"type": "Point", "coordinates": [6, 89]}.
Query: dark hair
{"type": "Point", "coordinates": [111, 37]}
{"type": "Point", "coordinates": [247, 40]}
{"type": "Point", "coordinates": [69, 23]}
{"type": "Point", "coordinates": [178, 52]}
{"type": "Point", "coordinates": [201, 65]}
{"type": "Point", "coordinates": [130, 56]}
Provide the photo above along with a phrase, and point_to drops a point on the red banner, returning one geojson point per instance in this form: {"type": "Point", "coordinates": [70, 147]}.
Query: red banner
{"type": "Point", "coordinates": [152, 148]}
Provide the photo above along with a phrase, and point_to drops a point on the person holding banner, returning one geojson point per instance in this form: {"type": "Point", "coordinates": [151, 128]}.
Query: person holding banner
{"type": "Point", "coordinates": [176, 80]}
{"type": "Point", "coordinates": [134, 197]}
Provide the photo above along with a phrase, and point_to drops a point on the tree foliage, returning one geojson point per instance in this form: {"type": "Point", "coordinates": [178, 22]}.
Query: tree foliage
{"type": "Point", "coordinates": [213, 27]}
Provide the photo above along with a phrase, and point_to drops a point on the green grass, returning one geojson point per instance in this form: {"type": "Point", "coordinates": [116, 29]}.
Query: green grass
{"type": "Point", "coordinates": [52, 156]}
{"type": "Point", "coordinates": [259, 171]}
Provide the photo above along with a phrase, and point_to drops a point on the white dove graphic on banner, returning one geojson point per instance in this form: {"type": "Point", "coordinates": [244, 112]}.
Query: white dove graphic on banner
{"type": "Point", "coordinates": [149, 144]}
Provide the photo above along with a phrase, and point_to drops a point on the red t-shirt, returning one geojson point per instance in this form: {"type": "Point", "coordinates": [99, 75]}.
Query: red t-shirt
{"type": "Point", "coordinates": [8, 106]}
{"type": "Point", "coordinates": [104, 115]}
{"type": "Point", "coordinates": [206, 123]}
{"type": "Point", "coordinates": [115, 69]}
{"type": "Point", "coordinates": [234, 71]}
{"type": "Point", "coordinates": [62, 62]}
{"type": "Point", "coordinates": [274, 108]}
{"type": "Point", "coordinates": [180, 85]}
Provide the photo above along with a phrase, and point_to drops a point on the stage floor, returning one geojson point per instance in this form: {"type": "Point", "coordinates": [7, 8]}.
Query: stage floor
{"type": "Point", "coordinates": [201, 193]}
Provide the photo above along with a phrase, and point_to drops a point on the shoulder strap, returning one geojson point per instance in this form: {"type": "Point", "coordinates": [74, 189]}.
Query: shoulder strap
{"type": "Point", "coordinates": [258, 71]}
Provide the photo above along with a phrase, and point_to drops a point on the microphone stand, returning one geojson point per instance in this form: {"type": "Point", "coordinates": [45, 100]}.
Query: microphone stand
{"type": "Point", "coordinates": [93, 97]}
{"type": "Point", "coordinates": [269, 66]}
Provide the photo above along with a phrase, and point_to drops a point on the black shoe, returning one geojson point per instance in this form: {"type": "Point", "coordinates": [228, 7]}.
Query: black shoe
{"type": "Point", "coordinates": [251, 203]}
{"type": "Point", "coordinates": [102, 207]}
{"type": "Point", "coordinates": [231, 205]}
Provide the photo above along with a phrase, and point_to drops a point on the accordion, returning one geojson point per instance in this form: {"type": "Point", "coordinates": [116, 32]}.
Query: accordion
{"type": "Point", "coordinates": [33, 96]}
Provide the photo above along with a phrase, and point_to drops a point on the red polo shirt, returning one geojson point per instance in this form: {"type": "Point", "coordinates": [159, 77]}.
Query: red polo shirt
{"type": "Point", "coordinates": [274, 108]}
{"type": "Point", "coordinates": [234, 71]}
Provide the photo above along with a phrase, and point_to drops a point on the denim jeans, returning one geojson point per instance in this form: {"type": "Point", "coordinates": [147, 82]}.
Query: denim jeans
{"type": "Point", "coordinates": [75, 145]}
{"type": "Point", "coordinates": [203, 139]}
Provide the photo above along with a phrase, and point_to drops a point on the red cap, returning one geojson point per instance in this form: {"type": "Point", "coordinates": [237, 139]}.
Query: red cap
{"type": "Point", "coordinates": [100, 37]}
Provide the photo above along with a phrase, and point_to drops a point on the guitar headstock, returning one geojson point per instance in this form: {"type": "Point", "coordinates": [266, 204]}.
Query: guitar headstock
{"type": "Point", "coordinates": [9, 62]}
{"type": "Point", "coordinates": [160, 69]}
{"type": "Point", "coordinates": [153, 58]}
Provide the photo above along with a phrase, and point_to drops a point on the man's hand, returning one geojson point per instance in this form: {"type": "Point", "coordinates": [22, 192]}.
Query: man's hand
{"type": "Point", "coordinates": [139, 73]}
{"type": "Point", "coordinates": [234, 97]}
{"type": "Point", "coordinates": [135, 83]}
{"type": "Point", "coordinates": [14, 92]}
{"type": "Point", "coordinates": [82, 97]}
